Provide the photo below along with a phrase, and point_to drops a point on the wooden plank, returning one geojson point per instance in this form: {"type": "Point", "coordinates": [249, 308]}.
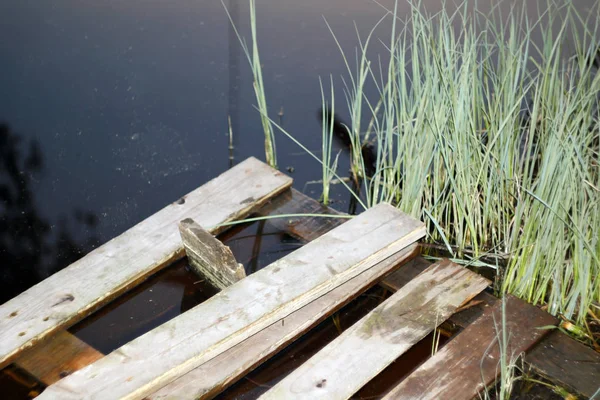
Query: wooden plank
{"type": "Point", "coordinates": [208, 256]}
{"type": "Point", "coordinates": [556, 348]}
{"type": "Point", "coordinates": [214, 376]}
{"type": "Point", "coordinates": [470, 362]}
{"type": "Point", "coordinates": [362, 351]}
{"type": "Point", "coordinates": [461, 319]}
{"type": "Point", "coordinates": [240, 311]}
{"type": "Point", "coordinates": [568, 363]}
{"type": "Point", "coordinates": [59, 356]}
{"type": "Point", "coordinates": [126, 260]}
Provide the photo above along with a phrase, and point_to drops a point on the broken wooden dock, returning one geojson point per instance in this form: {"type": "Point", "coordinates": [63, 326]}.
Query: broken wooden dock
{"type": "Point", "coordinates": [206, 349]}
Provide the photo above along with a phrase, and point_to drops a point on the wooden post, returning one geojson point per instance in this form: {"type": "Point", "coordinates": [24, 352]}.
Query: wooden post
{"type": "Point", "coordinates": [208, 256]}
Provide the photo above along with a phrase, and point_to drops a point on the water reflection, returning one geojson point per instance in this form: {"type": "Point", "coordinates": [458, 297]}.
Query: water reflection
{"type": "Point", "coordinates": [31, 247]}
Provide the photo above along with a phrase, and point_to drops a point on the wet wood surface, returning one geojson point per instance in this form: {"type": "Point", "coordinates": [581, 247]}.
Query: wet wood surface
{"type": "Point", "coordinates": [57, 357]}
{"type": "Point", "coordinates": [215, 375]}
{"type": "Point", "coordinates": [471, 361]}
{"type": "Point", "coordinates": [74, 292]}
{"type": "Point", "coordinates": [155, 359]}
{"type": "Point", "coordinates": [567, 363]}
{"type": "Point", "coordinates": [555, 354]}
{"type": "Point", "coordinates": [209, 257]}
{"type": "Point", "coordinates": [558, 357]}
{"type": "Point", "coordinates": [341, 368]}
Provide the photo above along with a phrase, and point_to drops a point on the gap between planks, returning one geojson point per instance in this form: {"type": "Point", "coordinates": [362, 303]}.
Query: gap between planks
{"type": "Point", "coordinates": [173, 349]}
{"type": "Point", "coordinates": [74, 292]}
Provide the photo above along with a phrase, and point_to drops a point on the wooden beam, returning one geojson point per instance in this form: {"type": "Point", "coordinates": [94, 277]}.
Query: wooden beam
{"type": "Point", "coordinates": [209, 257]}
{"type": "Point", "coordinates": [342, 367]}
{"type": "Point", "coordinates": [214, 376]}
{"type": "Point", "coordinates": [71, 294]}
{"type": "Point", "coordinates": [155, 359]}
{"type": "Point", "coordinates": [471, 361]}
{"type": "Point", "coordinates": [59, 356]}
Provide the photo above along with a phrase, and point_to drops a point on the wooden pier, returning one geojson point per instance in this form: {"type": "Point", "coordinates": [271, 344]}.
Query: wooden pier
{"type": "Point", "coordinates": [208, 348]}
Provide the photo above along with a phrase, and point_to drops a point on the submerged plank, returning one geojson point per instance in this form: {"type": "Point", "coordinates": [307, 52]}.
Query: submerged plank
{"type": "Point", "coordinates": [69, 295]}
{"type": "Point", "coordinates": [568, 363]}
{"type": "Point", "coordinates": [208, 256]}
{"type": "Point", "coordinates": [214, 376]}
{"type": "Point", "coordinates": [362, 351]}
{"type": "Point", "coordinates": [240, 311]}
{"type": "Point", "coordinates": [470, 362]}
{"type": "Point", "coordinates": [302, 228]}
{"type": "Point", "coordinates": [59, 356]}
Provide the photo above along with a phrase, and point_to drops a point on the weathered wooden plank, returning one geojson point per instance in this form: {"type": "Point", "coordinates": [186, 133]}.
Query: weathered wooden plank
{"type": "Point", "coordinates": [567, 363]}
{"type": "Point", "coordinates": [70, 294]}
{"type": "Point", "coordinates": [59, 356]}
{"type": "Point", "coordinates": [211, 378]}
{"type": "Point", "coordinates": [470, 362]}
{"type": "Point", "coordinates": [556, 348]}
{"type": "Point", "coordinates": [238, 312]}
{"type": "Point", "coordinates": [208, 256]}
{"type": "Point", "coordinates": [370, 345]}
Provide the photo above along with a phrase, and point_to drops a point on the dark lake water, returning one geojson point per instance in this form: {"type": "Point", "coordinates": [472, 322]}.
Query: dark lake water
{"type": "Point", "coordinates": [111, 109]}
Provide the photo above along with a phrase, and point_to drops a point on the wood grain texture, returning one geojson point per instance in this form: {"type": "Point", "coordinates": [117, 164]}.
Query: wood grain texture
{"type": "Point", "coordinates": [211, 378]}
{"type": "Point", "coordinates": [209, 257]}
{"type": "Point", "coordinates": [370, 345]}
{"type": "Point", "coordinates": [469, 363]}
{"type": "Point", "coordinates": [240, 311]}
{"type": "Point", "coordinates": [57, 357]}
{"type": "Point", "coordinates": [567, 363]}
{"type": "Point", "coordinates": [126, 260]}
{"type": "Point", "coordinates": [557, 356]}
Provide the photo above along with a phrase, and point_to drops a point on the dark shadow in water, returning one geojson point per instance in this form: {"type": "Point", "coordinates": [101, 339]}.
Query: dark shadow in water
{"type": "Point", "coordinates": [31, 248]}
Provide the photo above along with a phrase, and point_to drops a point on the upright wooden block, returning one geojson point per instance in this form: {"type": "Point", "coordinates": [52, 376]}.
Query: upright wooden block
{"type": "Point", "coordinates": [208, 256]}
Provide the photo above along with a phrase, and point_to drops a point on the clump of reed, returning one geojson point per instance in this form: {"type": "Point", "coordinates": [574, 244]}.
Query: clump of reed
{"type": "Point", "coordinates": [493, 139]}
{"type": "Point", "coordinates": [490, 137]}
{"type": "Point", "coordinates": [253, 57]}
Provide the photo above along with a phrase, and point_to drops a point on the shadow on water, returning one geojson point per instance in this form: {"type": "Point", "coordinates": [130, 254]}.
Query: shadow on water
{"type": "Point", "coordinates": [31, 247]}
